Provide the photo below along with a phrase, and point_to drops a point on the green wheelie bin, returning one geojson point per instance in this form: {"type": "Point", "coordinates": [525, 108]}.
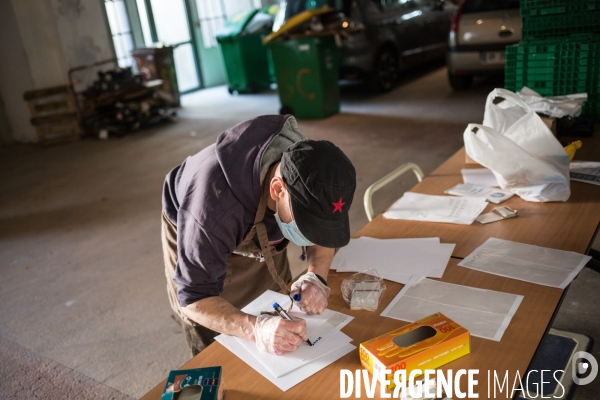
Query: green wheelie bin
{"type": "Point", "coordinates": [245, 57]}
{"type": "Point", "coordinates": [307, 71]}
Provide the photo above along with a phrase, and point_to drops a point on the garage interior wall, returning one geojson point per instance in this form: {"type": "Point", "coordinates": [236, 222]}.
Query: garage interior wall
{"type": "Point", "coordinates": [44, 39]}
{"type": "Point", "coordinates": [5, 131]}
{"type": "Point", "coordinates": [15, 78]}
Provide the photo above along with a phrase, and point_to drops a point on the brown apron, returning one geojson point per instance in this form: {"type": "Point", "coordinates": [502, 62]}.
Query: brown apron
{"type": "Point", "coordinates": [246, 276]}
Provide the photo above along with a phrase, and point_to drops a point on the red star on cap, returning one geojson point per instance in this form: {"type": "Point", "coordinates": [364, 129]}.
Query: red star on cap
{"type": "Point", "coordinates": [338, 206]}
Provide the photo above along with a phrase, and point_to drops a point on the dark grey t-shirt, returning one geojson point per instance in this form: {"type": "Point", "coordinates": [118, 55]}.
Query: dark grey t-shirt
{"type": "Point", "coordinates": [212, 198]}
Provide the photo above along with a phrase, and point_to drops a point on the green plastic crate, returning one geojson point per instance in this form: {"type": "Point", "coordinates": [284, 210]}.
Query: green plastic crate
{"type": "Point", "coordinates": [549, 7]}
{"type": "Point", "coordinates": [557, 66]}
{"type": "Point", "coordinates": [560, 25]}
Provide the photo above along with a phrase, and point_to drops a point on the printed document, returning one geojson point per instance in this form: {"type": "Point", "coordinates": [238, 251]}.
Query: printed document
{"type": "Point", "coordinates": [485, 313]}
{"type": "Point", "coordinates": [424, 207]}
{"type": "Point", "coordinates": [585, 171]}
{"type": "Point", "coordinates": [493, 195]}
{"type": "Point", "coordinates": [541, 265]}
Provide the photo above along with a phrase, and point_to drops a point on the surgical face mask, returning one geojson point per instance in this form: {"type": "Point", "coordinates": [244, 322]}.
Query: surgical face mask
{"type": "Point", "coordinates": [292, 233]}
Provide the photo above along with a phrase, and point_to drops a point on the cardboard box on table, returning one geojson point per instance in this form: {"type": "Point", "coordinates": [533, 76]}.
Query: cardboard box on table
{"type": "Point", "coordinates": [424, 344]}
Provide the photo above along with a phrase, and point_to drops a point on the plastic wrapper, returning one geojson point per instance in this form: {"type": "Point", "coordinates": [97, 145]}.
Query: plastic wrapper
{"type": "Point", "coordinates": [556, 106]}
{"type": "Point", "coordinates": [362, 291]}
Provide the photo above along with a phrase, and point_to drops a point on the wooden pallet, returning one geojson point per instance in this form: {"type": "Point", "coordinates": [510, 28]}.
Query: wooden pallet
{"type": "Point", "coordinates": [53, 115]}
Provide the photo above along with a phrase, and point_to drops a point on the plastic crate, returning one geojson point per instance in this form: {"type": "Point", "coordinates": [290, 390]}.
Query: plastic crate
{"type": "Point", "coordinates": [557, 66]}
{"type": "Point", "coordinates": [549, 7]}
{"type": "Point", "coordinates": [591, 108]}
{"type": "Point", "coordinates": [560, 25]}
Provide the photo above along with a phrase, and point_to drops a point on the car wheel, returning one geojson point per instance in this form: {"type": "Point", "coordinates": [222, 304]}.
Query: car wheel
{"type": "Point", "coordinates": [385, 74]}
{"type": "Point", "coordinates": [460, 82]}
{"type": "Point", "coordinates": [284, 110]}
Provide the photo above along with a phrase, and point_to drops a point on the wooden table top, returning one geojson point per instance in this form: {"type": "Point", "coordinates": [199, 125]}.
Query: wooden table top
{"type": "Point", "coordinates": [513, 353]}
{"type": "Point", "coordinates": [566, 225]}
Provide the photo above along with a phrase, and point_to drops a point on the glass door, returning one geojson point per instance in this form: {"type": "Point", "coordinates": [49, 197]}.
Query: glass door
{"type": "Point", "coordinates": [170, 21]}
{"type": "Point", "coordinates": [120, 31]}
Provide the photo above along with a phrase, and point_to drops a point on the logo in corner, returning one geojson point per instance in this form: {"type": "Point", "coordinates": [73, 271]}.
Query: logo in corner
{"type": "Point", "coordinates": [580, 368]}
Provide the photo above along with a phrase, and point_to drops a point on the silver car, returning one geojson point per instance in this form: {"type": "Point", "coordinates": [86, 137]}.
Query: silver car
{"type": "Point", "coordinates": [479, 34]}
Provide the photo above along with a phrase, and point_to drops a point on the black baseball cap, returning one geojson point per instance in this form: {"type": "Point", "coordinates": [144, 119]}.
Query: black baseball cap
{"type": "Point", "coordinates": [321, 181]}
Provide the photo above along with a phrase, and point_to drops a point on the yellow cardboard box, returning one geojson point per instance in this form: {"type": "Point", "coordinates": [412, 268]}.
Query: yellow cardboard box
{"type": "Point", "coordinates": [424, 344]}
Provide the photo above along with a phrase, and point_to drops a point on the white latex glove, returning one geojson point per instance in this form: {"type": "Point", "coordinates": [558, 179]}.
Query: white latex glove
{"type": "Point", "coordinates": [313, 294]}
{"type": "Point", "coordinates": [277, 335]}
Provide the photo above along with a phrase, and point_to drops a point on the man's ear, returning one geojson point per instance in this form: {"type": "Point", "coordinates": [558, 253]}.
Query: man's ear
{"type": "Point", "coordinates": [277, 188]}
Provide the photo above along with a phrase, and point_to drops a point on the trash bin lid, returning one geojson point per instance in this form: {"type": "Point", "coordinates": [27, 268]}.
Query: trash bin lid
{"type": "Point", "coordinates": [298, 19]}
{"type": "Point", "coordinates": [261, 22]}
{"type": "Point", "coordinates": [273, 9]}
{"type": "Point", "coordinates": [236, 24]}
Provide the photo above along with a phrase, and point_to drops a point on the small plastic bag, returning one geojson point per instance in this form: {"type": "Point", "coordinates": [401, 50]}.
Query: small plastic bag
{"type": "Point", "coordinates": [362, 291]}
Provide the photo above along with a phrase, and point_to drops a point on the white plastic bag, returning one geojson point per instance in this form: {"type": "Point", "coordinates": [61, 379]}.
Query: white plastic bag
{"type": "Point", "coordinates": [520, 150]}
{"type": "Point", "coordinates": [555, 106]}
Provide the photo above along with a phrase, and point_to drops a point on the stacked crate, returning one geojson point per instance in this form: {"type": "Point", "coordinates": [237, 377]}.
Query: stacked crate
{"type": "Point", "coordinates": [560, 51]}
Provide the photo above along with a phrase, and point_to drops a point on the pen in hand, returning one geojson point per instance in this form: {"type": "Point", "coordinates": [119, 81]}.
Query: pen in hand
{"type": "Point", "coordinates": [285, 315]}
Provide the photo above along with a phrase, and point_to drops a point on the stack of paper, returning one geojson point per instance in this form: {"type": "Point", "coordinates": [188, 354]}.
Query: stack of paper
{"type": "Point", "coordinates": [479, 176]}
{"type": "Point", "coordinates": [285, 371]}
{"type": "Point", "coordinates": [485, 313]}
{"type": "Point", "coordinates": [525, 262]}
{"type": "Point", "coordinates": [424, 207]}
{"type": "Point", "coordinates": [395, 259]}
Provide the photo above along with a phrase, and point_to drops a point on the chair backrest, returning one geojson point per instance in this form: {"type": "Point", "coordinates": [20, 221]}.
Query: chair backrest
{"type": "Point", "coordinates": [384, 181]}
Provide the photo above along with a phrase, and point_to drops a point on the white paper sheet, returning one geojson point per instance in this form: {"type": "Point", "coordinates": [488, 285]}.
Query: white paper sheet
{"type": "Point", "coordinates": [541, 265]}
{"type": "Point", "coordinates": [585, 171]}
{"type": "Point", "coordinates": [321, 329]}
{"type": "Point", "coordinates": [485, 313]}
{"type": "Point", "coordinates": [479, 176]}
{"type": "Point", "coordinates": [395, 259]}
{"type": "Point", "coordinates": [424, 207]}
{"type": "Point", "coordinates": [293, 378]}
{"type": "Point", "coordinates": [357, 246]}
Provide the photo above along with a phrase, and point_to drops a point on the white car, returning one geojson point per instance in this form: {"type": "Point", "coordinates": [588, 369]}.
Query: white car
{"type": "Point", "coordinates": [479, 34]}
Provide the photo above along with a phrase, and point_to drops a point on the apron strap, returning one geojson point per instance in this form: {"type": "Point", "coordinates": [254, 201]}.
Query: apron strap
{"type": "Point", "coordinates": [263, 240]}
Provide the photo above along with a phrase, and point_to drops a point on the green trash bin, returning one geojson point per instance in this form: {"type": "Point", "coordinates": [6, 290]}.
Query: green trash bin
{"type": "Point", "coordinates": [307, 72]}
{"type": "Point", "coordinates": [245, 57]}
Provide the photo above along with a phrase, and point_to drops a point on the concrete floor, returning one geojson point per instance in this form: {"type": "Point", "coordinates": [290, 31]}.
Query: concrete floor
{"type": "Point", "coordinates": [82, 287]}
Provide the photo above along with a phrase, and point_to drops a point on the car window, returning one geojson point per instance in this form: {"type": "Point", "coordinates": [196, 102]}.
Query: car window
{"type": "Point", "coordinates": [425, 3]}
{"type": "Point", "coordinates": [395, 4]}
{"type": "Point", "coordinates": [474, 6]}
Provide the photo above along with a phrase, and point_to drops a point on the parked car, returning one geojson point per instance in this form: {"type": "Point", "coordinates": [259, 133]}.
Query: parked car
{"type": "Point", "coordinates": [479, 34]}
{"type": "Point", "coordinates": [398, 34]}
